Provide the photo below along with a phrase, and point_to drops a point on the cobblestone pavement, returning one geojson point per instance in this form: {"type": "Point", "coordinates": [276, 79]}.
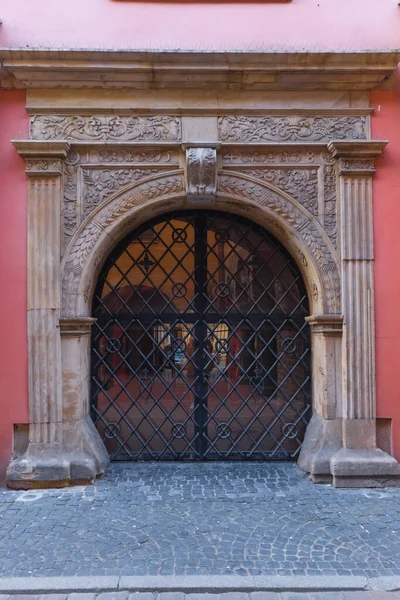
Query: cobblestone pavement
{"type": "Point", "coordinates": [372, 595]}
{"type": "Point", "coordinates": [204, 519]}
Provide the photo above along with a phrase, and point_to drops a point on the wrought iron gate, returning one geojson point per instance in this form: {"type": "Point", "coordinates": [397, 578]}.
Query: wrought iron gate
{"type": "Point", "coordinates": [200, 349]}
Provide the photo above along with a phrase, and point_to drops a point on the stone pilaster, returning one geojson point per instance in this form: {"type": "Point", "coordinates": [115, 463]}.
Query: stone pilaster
{"type": "Point", "coordinates": [46, 460]}
{"type": "Point", "coordinates": [359, 461]}
{"type": "Point", "coordinates": [323, 436]}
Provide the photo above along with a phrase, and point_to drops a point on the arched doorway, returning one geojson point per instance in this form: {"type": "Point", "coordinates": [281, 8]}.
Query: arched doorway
{"type": "Point", "coordinates": [200, 349]}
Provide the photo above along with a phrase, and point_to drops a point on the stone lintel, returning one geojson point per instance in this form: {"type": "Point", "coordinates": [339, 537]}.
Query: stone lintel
{"type": "Point", "coordinates": [76, 326]}
{"type": "Point", "coordinates": [326, 324]}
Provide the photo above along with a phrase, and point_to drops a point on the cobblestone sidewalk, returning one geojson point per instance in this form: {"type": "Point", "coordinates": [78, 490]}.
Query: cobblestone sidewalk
{"type": "Point", "coordinates": [200, 519]}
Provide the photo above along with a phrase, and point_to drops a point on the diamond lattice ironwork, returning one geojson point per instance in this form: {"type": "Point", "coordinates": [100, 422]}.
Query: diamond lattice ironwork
{"type": "Point", "coordinates": [200, 349]}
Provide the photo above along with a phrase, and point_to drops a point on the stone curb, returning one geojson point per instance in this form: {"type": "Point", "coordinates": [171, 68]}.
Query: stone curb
{"type": "Point", "coordinates": [195, 583]}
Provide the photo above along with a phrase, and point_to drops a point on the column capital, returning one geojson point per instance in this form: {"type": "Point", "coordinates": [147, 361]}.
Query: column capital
{"type": "Point", "coordinates": [43, 158]}
{"type": "Point", "coordinates": [76, 326]}
{"type": "Point", "coordinates": [326, 324]}
{"type": "Point", "coordinates": [356, 157]}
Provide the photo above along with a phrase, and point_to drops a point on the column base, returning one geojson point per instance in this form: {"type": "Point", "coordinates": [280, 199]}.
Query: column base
{"type": "Point", "coordinates": [323, 457]}
{"type": "Point", "coordinates": [321, 442]}
{"type": "Point", "coordinates": [80, 459]}
{"type": "Point", "coordinates": [364, 468]}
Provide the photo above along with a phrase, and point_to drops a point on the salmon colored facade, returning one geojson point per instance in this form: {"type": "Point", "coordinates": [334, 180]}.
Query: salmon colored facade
{"type": "Point", "coordinates": [336, 26]}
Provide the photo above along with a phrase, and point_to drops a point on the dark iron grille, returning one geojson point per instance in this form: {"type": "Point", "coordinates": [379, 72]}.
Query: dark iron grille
{"type": "Point", "coordinates": [200, 349]}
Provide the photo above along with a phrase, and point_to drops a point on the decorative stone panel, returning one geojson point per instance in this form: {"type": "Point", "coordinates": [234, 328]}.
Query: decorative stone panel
{"type": "Point", "coordinates": [291, 129]}
{"type": "Point", "coordinates": [103, 127]}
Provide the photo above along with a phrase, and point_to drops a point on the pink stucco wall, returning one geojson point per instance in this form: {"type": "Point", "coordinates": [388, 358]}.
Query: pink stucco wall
{"type": "Point", "coordinates": [300, 24]}
{"type": "Point", "coordinates": [13, 336]}
{"type": "Point", "coordinates": [386, 126]}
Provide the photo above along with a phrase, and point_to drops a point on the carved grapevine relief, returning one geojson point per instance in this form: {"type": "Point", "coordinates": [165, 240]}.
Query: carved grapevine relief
{"type": "Point", "coordinates": [101, 183]}
{"type": "Point", "coordinates": [69, 213]}
{"type": "Point", "coordinates": [330, 202]}
{"type": "Point", "coordinates": [100, 128]}
{"type": "Point", "coordinates": [291, 129]}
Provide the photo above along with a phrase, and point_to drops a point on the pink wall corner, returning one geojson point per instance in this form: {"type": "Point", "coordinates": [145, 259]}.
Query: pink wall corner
{"type": "Point", "coordinates": [13, 269]}
{"type": "Point", "coordinates": [386, 126]}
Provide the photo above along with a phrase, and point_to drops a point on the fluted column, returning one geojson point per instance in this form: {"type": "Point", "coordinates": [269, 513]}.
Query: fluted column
{"type": "Point", "coordinates": [48, 460]}
{"type": "Point", "coordinates": [360, 459]}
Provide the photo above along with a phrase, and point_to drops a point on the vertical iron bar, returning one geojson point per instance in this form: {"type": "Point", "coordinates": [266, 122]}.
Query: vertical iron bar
{"type": "Point", "coordinates": [200, 330]}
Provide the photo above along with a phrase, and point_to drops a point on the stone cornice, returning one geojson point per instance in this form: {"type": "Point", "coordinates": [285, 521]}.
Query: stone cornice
{"type": "Point", "coordinates": [67, 68]}
{"type": "Point", "coordinates": [357, 149]}
{"type": "Point", "coordinates": [76, 326]}
{"type": "Point", "coordinates": [326, 324]}
{"type": "Point", "coordinates": [36, 149]}
{"type": "Point", "coordinates": [356, 157]}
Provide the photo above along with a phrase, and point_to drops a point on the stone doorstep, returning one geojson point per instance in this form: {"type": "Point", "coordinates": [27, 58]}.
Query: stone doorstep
{"type": "Point", "coordinates": [196, 583]}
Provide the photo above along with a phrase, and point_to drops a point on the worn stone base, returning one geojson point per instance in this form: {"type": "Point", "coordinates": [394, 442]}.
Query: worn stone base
{"type": "Point", "coordinates": [322, 441]}
{"type": "Point", "coordinates": [79, 459]}
{"type": "Point", "coordinates": [364, 467]}
{"type": "Point", "coordinates": [326, 461]}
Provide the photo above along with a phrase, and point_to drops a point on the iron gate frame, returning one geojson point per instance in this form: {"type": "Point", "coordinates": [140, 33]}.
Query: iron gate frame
{"type": "Point", "coordinates": [200, 386]}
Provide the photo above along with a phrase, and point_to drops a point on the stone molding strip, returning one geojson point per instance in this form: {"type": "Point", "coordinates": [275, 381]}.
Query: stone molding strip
{"type": "Point", "coordinates": [158, 69]}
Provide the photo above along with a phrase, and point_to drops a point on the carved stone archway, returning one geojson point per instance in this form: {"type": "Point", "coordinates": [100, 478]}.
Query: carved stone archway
{"type": "Point", "coordinates": [84, 197]}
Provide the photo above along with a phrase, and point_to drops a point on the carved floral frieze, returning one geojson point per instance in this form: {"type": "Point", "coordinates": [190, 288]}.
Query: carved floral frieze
{"type": "Point", "coordinates": [291, 129]}
{"type": "Point", "coordinates": [101, 128]}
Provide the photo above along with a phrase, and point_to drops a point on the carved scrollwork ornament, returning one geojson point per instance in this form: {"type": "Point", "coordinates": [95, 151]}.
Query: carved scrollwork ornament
{"type": "Point", "coordinates": [43, 167]}
{"type": "Point", "coordinates": [105, 127]}
{"type": "Point", "coordinates": [357, 166]}
{"type": "Point", "coordinates": [291, 129]}
{"type": "Point", "coordinates": [201, 175]}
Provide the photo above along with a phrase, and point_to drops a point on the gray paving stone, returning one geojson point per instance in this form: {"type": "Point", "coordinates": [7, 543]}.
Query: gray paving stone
{"type": "Point", "coordinates": [142, 596]}
{"type": "Point", "coordinates": [264, 596]}
{"type": "Point", "coordinates": [171, 596]}
{"type": "Point", "coordinates": [356, 596]}
{"type": "Point", "coordinates": [200, 596]}
{"type": "Point", "coordinates": [295, 596]}
{"type": "Point", "coordinates": [113, 596]}
{"type": "Point", "coordinates": [81, 596]}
